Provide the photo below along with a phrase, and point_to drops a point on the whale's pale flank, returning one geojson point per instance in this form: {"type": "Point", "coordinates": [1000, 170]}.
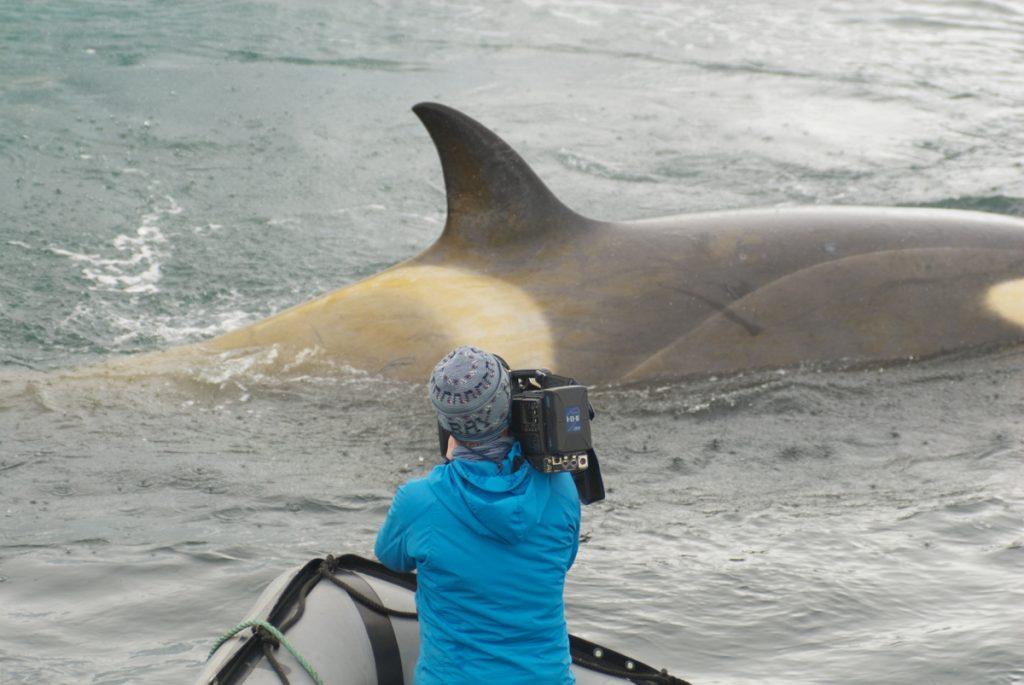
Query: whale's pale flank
{"type": "Point", "coordinates": [518, 273]}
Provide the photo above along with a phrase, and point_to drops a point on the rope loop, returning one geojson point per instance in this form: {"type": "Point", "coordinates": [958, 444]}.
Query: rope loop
{"type": "Point", "coordinates": [261, 627]}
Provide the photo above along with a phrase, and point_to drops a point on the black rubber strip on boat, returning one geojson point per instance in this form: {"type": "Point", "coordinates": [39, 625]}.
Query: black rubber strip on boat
{"type": "Point", "coordinates": [386, 656]}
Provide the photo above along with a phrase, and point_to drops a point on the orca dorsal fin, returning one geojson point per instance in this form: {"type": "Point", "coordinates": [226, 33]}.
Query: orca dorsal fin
{"type": "Point", "coordinates": [494, 197]}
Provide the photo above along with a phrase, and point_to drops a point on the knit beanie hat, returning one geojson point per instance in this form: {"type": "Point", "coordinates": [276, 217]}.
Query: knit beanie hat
{"type": "Point", "coordinates": [470, 390]}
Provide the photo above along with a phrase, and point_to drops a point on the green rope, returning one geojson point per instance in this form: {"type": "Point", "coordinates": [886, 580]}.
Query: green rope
{"type": "Point", "coordinates": [278, 635]}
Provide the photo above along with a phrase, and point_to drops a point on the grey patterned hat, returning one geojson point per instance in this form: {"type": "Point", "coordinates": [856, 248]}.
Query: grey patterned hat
{"type": "Point", "coordinates": [470, 390]}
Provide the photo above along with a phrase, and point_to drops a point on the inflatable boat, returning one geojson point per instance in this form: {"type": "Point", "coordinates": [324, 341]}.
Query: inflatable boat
{"type": "Point", "coordinates": [351, 621]}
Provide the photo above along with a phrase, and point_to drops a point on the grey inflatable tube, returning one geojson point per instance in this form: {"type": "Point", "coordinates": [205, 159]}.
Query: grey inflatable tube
{"type": "Point", "coordinates": [353, 622]}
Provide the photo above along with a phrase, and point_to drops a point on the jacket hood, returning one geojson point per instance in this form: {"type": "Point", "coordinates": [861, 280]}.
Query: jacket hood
{"type": "Point", "coordinates": [490, 497]}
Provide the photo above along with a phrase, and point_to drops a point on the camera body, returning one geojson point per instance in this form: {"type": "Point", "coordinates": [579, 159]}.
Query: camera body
{"type": "Point", "coordinates": [550, 416]}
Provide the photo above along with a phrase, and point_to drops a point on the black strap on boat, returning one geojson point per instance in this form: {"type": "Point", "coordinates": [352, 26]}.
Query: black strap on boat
{"type": "Point", "coordinates": [379, 629]}
{"type": "Point", "coordinates": [368, 602]}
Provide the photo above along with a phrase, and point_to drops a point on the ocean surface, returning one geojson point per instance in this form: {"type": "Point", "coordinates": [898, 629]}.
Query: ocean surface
{"type": "Point", "coordinates": [170, 171]}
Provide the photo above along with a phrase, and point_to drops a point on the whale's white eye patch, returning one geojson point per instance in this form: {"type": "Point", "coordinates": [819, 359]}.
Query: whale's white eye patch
{"type": "Point", "coordinates": [1006, 299]}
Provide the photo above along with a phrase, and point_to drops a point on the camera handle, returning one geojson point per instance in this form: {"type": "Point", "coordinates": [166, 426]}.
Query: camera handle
{"type": "Point", "coordinates": [538, 379]}
{"type": "Point", "coordinates": [589, 483]}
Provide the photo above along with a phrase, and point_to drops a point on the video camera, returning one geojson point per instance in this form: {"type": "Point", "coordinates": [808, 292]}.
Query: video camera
{"type": "Point", "coordinates": [550, 416]}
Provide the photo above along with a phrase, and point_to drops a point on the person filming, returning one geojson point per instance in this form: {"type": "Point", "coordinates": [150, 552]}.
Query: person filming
{"type": "Point", "coordinates": [491, 539]}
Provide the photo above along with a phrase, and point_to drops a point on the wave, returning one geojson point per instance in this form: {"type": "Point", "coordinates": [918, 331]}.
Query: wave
{"type": "Point", "coordinates": [999, 204]}
{"type": "Point", "coordinates": [368, 63]}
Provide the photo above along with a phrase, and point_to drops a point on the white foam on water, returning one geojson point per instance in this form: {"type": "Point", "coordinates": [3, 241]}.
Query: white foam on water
{"type": "Point", "coordinates": [176, 331]}
{"type": "Point", "coordinates": [360, 209]}
{"type": "Point", "coordinates": [284, 221]}
{"type": "Point", "coordinates": [420, 217]}
{"type": "Point", "coordinates": [132, 267]}
{"type": "Point", "coordinates": [231, 366]}
{"type": "Point", "coordinates": [208, 228]}
{"type": "Point", "coordinates": [137, 269]}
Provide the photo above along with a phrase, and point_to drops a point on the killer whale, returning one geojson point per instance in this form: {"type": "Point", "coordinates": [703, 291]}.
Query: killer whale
{"type": "Point", "coordinates": [517, 272]}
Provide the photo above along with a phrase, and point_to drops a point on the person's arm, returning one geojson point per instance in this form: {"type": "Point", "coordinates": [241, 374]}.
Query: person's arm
{"type": "Point", "coordinates": [575, 537]}
{"type": "Point", "coordinates": [393, 539]}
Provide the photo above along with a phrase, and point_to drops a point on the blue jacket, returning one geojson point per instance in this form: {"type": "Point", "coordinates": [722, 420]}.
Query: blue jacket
{"type": "Point", "coordinates": [491, 548]}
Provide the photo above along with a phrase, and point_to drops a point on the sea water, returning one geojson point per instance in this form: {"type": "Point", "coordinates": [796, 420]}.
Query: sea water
{"type": "Point", "coordinates": [170, 171]}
